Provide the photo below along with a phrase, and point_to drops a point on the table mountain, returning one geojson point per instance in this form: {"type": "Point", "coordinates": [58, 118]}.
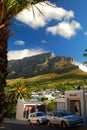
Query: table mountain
{"type": "Point", "coordinates": [38, 65]}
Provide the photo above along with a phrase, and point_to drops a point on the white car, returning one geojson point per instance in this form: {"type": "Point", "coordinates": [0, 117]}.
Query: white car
{"type": "Point", "coordinates": [64, 118]}
{"type": "Point", "coordinates": [37, 118]}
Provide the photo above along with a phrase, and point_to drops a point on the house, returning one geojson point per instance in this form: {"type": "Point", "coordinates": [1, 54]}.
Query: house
{"type": "Point", "coordinates": [76, 102]}
{"type": "Point", "coordinates": [25, 107]}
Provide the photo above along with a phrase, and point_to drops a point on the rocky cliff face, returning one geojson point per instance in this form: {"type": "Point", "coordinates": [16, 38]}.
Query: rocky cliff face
{"type": "Point", "coordinates": [39, 64]}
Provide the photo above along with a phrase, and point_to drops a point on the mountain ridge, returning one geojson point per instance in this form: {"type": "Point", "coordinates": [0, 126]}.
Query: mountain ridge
{"type": "Point", "coordinates": [39, 64]}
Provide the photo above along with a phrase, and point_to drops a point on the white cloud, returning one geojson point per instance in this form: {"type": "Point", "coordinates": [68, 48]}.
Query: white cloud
{"type": "Point", "coordinates": [27, 17]}
{"type": "Point", "coordinates": [43, 41]}
{"type": "Point", "coordinates": [19, 54]}
{"type": "Point", "coordinates": [65, 29]}
{"type": "Point", "coordinates": [85, 33]}
{"type": "Point", "coordinates": [81, 66]}
{"type": "Point", "coordinates": [19, 42]}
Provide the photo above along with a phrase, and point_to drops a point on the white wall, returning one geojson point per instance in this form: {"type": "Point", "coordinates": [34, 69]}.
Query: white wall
{"type": "Point", "coordinates": [60, 103]}
{"type": "Point", "coordinates": [76, 95]}
{"type": "Point", "coordinates": [20, 109]}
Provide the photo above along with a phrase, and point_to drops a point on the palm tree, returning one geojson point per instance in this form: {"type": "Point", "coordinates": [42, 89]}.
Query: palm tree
{"type": "Point", "coordinates": [8, 9]}
{"type": "Point", "coordinates": [13, 93]}
{"type": "Point", "coordinates": [17, 91]}
{"type": "Point", "coordinates": [85, 55]}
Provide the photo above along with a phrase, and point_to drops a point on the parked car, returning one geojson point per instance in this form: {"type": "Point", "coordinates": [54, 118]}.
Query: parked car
{"type": "Point", "coordinates": [37, 118]}
{"type": "Point", "coordinates": [63, 118]}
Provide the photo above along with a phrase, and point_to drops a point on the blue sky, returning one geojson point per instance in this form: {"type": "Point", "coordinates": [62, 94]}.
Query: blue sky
{"type": "Point", "coordinates": [62, 30]}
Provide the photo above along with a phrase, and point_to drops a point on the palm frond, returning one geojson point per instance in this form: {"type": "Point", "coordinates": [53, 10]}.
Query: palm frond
{"type": "Point", "coordinates": [52, 5]}
{"type": "Point", "coordinates": [85, 54]}
{"type": "Point", "coordinates": [85, 63]}
{"type": "Point", "coordinates": [33, 11]}
{"type": "Point", "coordinates": [13, 7]}
{"type": "Point", "coordinates": [39, 10]}
{"type": "Point", "coordinates": [85, 50]}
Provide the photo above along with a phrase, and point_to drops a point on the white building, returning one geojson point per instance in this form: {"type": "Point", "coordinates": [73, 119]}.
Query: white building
{"type": "Point", "coordinates": [74, 101]}
{"type": "Point", "coordinates": [25, 107]}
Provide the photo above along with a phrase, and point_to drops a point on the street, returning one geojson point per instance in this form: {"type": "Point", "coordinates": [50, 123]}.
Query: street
{"type": "Point", "coordinates": [15, 126]}
{"type": "Point", "coordinates": [10, 126]}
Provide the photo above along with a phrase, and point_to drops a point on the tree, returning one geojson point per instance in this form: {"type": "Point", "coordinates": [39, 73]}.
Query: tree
{"type": "Point", "coordinates": [8, 9]}
{"type": "Point", "coordinates": [85, 55]}
{"type": "Point", "coordinates": [18, 91]}
{"type": "Point", "coordinates": [51, 105]}
{"type": "Point", "coordinates": [13, 93]}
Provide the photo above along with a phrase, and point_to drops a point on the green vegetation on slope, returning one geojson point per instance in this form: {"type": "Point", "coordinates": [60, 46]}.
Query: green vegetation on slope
{"type": "Point", "coordinates": [74, 78]}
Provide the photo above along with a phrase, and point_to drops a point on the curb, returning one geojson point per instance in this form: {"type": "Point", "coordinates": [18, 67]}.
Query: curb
{"type": "Point", "coordinates": [15, 121]}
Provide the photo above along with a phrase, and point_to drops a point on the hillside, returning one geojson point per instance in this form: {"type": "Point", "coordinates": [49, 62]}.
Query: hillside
{"type": "Point", "coordinates": [73, 77]}
{"type": "Point", "coordinates": [38, 65]}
